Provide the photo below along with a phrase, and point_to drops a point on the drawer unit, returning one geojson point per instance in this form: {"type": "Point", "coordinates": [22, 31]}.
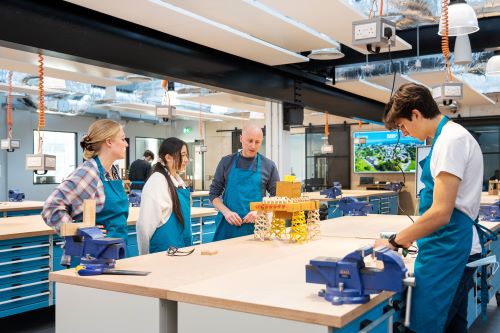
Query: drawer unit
{"type": "Point", "coordinates": [376, 205]}
{"type": "Point", "coordinates": [132, 249]}
{"type": "Point", "coordinates": [333, 210]}
{"type": "Point", "coordinates": [24, 274]}
{"type": "Point", "coordinates": [196, 238]}
{"type": "Point", "coordinates": [208, 229]}
{"type": "Point", "coordinates": [205, 202]}
{"type": "Point", "coordinates": [196, 201]}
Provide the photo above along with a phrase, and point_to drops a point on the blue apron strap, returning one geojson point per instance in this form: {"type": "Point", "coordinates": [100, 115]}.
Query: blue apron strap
{"type": "Point", "coordinates": [484, 235]}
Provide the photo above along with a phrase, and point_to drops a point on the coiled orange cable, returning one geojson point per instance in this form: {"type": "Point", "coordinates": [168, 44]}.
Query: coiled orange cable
{"type": "Point", "coordinates": [444, 39]}
{"type": "Point", "coordinates": [41, 104]}
{"type": "Point", "coordinates": [381, 7]}
{"type": "Point", "coordinates": [10, 123]}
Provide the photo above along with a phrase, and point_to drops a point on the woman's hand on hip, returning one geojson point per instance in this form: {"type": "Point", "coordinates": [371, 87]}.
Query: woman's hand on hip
{"type": "Point", "coordinates": [104, 231]}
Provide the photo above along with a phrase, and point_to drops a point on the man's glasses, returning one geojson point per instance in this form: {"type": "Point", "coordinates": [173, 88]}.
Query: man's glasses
{"type": "Point", "coordinates": [173, 251]}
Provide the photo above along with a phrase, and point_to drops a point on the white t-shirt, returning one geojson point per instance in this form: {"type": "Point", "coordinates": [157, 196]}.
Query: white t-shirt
{"type": "Point", "coordinates": [457, 152]}
{"type": "Point", "coordinates": [156, 208]}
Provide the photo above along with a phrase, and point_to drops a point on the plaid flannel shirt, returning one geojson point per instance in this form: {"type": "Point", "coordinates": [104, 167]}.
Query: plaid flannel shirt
{"type": "Point", "coordinates": [65, 203]}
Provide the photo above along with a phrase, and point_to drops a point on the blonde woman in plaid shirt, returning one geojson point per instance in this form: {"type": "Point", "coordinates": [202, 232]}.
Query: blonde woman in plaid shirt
{"type": "Point", "coordinates": [97, 178]}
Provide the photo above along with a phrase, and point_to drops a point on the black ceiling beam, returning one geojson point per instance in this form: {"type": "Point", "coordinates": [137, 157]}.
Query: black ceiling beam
{"type": "Point", "coordinates": [430, 43]}
{"type": "Point", "coordinates": [72, 32]}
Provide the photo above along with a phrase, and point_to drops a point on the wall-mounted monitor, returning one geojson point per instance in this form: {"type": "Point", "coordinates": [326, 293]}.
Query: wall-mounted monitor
{"type": "Point", "coordinates": [384, 151]}
{"type": "Point", "coordinates": [422, 153]}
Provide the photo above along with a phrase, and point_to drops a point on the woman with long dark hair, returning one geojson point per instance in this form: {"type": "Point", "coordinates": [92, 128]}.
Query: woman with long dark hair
{"type": "Point", "coordinates": [165, 213]}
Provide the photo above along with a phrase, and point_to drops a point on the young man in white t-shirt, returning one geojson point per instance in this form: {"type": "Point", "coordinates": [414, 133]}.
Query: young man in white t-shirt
{"type": "Point", "coordinates": [454, 177]}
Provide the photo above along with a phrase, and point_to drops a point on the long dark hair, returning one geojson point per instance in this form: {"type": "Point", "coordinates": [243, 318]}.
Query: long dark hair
{"type": "Point", "coordinates": [173, 147]}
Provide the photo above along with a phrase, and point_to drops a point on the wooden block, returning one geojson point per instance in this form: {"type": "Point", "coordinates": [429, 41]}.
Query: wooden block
{"type": "Point", "coordinates": [289, 190]}
{"type": "Point", "coordinates": [209, 252]}
{"type": "Point", "coordinates": [89, 212]}
{"type": "Point", "coordinates": [69, 229]}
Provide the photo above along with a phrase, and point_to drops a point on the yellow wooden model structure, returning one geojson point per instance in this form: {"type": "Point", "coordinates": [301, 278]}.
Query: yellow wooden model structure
{"type": "Point", "coordinates": [288, 203]}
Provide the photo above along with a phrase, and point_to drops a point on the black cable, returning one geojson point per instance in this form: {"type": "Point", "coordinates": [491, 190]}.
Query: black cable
{"type": "Point", "coordinates": [392, 68]}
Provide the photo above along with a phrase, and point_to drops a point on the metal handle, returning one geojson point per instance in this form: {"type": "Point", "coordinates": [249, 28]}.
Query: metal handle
{"type": "Point", "coordinates": [25, 297]}
{"type": "Point", "coordinates": [23, 260]}
{"type": "Point", "coordinates": [378, 321]}
{"type": "Point", "coordinates": [24, 285]}
{"type": "Point", "coordinates": [132, 233]}
{"type": "Point", "coordinates": [195, 225]}
{"type": "Point", "coordinates": [196, 233]}
{"type": "Point", "coordinates": [59, 243]}
{"type": "Point", "coordinates": [197, 242]}
{"type": "Point", "coordinates": [24, 273]}
{"type": "Point", "coordinates": [410, 282]}
{"type": "Point", "coordinates": [24, 248]}
{"type": "Point", "coordinates": [209, 222]}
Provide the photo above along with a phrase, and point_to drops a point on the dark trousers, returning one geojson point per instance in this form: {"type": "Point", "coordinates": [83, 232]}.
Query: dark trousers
{"type": "Point", "coordinates": [457, 316]}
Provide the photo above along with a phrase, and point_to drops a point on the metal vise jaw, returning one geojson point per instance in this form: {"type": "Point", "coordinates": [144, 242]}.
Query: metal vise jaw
{"type": "Point", "coordinates": [353, 207]}
{"type": "Point", "coordinates": [16, 196]}
{"type": "Point", "coordinates": [348, 281]}
{"type": "Point", "coordinates": [91, 245]}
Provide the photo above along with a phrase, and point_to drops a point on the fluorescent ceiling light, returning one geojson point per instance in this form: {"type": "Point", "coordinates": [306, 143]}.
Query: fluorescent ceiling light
{"type": "Point", "coordinates": [217, 109]}
{"type": "Point", "coordinates": [462, 53]}
{"type": "Point", "coordinates": [462, 20]}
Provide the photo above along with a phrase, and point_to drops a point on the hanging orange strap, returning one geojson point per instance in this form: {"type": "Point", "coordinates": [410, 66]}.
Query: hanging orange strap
{"type": "Point", "coordinates": [444, 39]}
{"type": "Point", "coordinates": [10, 122]}
{"type": "Point", "coordinates": [41, 105]}
{"type": "Point", "coordinates": [381, 7]}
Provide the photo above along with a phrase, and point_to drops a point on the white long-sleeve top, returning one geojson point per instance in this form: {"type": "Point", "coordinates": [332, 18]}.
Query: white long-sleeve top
{"type": "Point", "coordinates": [156, 208]}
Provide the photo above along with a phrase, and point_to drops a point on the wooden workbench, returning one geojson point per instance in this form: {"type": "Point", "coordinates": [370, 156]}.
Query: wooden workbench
{"type": "Point", "coordinates": [33, 225]}
{"type": "Point", "coordinates": [260, 284]}
{"type": "Point", "coordinates": [347, 193]}
{"type": "Point", "coordinates": [489, 199]}
{"type": "Point", "coordinates": [7, 206]}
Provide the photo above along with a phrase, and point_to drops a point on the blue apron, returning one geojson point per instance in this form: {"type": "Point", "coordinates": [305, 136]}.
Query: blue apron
{"type": "Point", "coordinates": [441, 259]}
{"type": "Point", "coordinates": [114, 214]}
{"type": "Point", "coordinates": [172, 233]}
{"type": "Point", "coordinates": [243, 187]}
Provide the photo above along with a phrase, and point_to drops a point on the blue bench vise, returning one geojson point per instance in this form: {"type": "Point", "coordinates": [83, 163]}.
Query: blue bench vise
{"type": "Point", "coordinates": [94, 248]}
{"type": "Point", "coordinates": [349, 281]}
{"type": "Point", "coordinates": [134, 198]}
{"type": "Point", "coordinates": [16, 196]}
{"type": "Point", "coordinates": [490, 213]}
{"type": "Point", "coordinates": [333, 192]}
{"type": "Point", "coordinates": [353, 207]}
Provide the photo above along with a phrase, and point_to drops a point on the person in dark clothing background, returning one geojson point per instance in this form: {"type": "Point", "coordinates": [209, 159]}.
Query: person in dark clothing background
{"type": "Point", "coordinates": [139, 170]}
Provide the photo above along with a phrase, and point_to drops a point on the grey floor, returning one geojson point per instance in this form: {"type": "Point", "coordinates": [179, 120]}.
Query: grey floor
{"type": "Point", "coordinates": [43, 321]}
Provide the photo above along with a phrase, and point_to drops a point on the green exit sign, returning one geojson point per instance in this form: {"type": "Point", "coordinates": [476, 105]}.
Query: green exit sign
{"type": "Point", "coordinates": [186, 130]}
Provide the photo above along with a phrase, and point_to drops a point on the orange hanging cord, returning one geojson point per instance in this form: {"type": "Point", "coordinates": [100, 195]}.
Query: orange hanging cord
{"type": "Point", "coordinates": [381, 7]}
{"type": "Point", "coordinates": [10, 122]}
{"type": "Point", "coordinates": [41, 106]}
{"type": "Point", "coordinates": [444, 39]}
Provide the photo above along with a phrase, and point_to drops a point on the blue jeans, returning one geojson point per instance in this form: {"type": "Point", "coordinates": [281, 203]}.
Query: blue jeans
{"type": "Point", "coordinates": [457, 316]}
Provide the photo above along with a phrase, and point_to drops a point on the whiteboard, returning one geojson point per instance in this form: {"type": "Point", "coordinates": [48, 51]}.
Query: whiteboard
{"type": "Point", "coordinates": [422, 152]}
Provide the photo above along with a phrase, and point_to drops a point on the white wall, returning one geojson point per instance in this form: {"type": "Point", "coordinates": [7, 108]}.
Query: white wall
{"type": "Point", "coordinates": [15, 176]}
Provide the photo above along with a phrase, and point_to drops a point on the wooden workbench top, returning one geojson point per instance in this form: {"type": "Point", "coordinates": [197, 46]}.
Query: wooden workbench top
{"type": "Point", "coordinates": [200, 193]}
{"type": "Point", "coordinates": [488, 199]}
{"type": "Point", "coordinates": [246, 275]}
{"type": "Point", "coordinates": [7, 206]}
{"type": "Point", "coordinates": [264, 278]}
{"type": "Point", "coordinates": [33, 225]}
{"type": "Point", "coordinates": [347, 193]}
{"type": "Point", "coordinates": [369, 227]}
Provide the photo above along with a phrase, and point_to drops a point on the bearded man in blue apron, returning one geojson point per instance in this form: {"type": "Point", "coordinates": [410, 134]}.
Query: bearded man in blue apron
{"type": "Point", "coordinates": [449, 205]}
{"type": "Point", "coordinates": [239, 179]}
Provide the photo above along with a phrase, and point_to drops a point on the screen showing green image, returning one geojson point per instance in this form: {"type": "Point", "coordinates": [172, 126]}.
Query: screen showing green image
{"type": "Point", "coordinates": [384, 151]}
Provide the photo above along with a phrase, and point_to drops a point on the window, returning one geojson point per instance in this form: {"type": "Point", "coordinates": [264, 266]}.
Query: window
{"type": "Point", "coordinates": [61, 144]}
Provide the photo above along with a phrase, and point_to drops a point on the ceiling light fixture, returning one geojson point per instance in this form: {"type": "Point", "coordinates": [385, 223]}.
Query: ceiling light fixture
{"type": "Point", "coordinates": [493, 65]}
{"type": "Point", "coordinates": [462, 52]}
{"type": "Point", "coordinates": [326, 54]}
{"type": "Point", "coordinates": [462, 19]}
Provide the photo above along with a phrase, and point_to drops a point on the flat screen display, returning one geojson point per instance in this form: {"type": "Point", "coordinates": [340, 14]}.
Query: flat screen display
{"type": "Point", "coordinates": [381, 151]}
